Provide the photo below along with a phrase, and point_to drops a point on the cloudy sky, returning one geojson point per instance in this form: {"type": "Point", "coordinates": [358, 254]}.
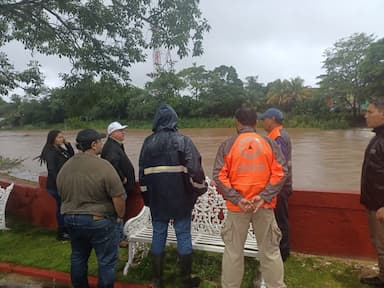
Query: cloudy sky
{"type": "Point", "coordinates": [270, 39]}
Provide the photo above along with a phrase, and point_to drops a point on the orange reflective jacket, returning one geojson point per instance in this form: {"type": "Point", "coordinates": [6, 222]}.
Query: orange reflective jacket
{"type": "Point", "coordinates": [247, 165]}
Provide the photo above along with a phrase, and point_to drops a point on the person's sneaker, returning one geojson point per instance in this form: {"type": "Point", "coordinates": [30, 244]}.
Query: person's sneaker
{"type": "Point", "coordinates": [372, 281]}
{"type": "Point", "coordinates": [123, 244]}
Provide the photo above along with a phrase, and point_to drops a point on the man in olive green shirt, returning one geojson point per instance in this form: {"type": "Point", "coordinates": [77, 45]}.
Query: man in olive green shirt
{"type": "Point", "coordinates": [92, 203]}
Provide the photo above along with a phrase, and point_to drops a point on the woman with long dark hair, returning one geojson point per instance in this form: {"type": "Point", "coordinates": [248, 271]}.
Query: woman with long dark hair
{"type": "Point", "coordinates": [54, 154]}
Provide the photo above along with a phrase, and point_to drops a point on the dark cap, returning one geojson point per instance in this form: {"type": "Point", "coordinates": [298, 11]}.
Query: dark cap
{"type": "Point", "coordinates": [272, 113]}
{"type": "Point", "coordinates": [89, 135]}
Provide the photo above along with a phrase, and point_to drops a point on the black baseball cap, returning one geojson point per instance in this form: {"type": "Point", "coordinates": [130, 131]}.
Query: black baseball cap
{"type": "Point", "coordinates": [89, 135]}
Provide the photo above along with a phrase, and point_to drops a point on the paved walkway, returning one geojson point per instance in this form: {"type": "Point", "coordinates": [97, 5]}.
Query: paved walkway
{"type": "Point", "coordinates": [12, 280]}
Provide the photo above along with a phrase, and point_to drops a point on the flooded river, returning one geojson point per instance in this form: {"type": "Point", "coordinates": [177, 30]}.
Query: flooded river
{"type": "Point", "coordinates": [324, 160]}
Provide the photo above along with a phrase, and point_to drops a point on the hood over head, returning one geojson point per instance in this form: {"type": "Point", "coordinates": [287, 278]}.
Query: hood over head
{"type": "Point", "coordinates": [165, 119]}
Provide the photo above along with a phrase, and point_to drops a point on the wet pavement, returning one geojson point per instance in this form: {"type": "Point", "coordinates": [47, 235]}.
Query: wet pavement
{"type": "Point", "coordinates": [12, 280]}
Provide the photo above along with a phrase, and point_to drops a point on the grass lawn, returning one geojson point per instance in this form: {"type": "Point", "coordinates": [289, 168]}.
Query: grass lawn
{"type": "Point", "coordinates": [35, 246]}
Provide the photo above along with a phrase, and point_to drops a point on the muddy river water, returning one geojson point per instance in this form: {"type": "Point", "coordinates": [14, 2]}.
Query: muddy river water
{"type": "Point", "coordinates": [322, 159]}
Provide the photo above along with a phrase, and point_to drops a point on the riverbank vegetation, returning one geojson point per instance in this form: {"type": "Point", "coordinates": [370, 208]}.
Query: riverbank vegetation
{"type": "Point", "coordinates": [8, 163]}
{"type": "Point", "coordinates": [28, 245]}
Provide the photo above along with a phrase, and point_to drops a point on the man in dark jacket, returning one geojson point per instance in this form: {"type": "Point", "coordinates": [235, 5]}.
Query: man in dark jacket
{"type": "Point", "coordinates": [171, 179]}
{"type": "Point", "coordinates": [113, 151]}
{"type": "Point", "coordinates": [372, 186]}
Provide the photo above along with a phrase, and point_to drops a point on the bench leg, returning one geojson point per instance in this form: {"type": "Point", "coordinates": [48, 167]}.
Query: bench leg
{"type": "Point", "coordinates": [131, 255]}
{"type": "Point", "coordinates": [262, 283]}
{"type": "Point", "coordinates": [259, 282]}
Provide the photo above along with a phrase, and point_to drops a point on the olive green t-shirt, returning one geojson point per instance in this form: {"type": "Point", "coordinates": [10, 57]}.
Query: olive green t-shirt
{"type": "Point", "coordinates": [86, 184]}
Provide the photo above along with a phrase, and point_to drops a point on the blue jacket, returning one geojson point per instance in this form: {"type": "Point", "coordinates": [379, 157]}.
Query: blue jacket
{"type": "Point", "coordinates": [170, 172]}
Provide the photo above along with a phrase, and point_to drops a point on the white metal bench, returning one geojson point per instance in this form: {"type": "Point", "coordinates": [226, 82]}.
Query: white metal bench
{"type": "Point", "coordinates": [4, 194]}
{"type": "Point", "coordinates": [208, 217]}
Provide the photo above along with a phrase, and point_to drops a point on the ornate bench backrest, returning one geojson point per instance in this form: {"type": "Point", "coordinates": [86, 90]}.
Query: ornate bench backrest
{"type": "Point", "coordinates": [209, 212]}
{"type": "Point", "coordinates": [4, 194]}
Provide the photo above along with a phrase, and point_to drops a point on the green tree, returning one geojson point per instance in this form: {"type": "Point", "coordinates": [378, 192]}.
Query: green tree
{"type": "Point", "coordinates": [287, 93]}
{"type": "Point", "coordinates": [225, 92]}
{"type": "Point", "coordinates": [103, 37]}
{"type": "Point", "coordinates": [341, 80]}
{"type": "Point", "coordinates": [195, 79]}
{"type": "Point", "coordinates": [30, 80]}
{"type": "Point", "coordinates": [165, 86]}
{"type": "Point", "coordinates": [371, 69]}
{"type": "Point", "coordinates": [80, 98]}
{"type": "Point", "coordinates": [255, 92]}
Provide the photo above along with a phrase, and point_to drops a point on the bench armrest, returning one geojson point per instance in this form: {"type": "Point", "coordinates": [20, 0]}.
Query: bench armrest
{"type": "Point", "coordinates": [135, 224]}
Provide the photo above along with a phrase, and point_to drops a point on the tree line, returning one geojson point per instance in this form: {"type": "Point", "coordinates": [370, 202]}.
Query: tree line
{"type": "Point", "coordinates": [103, 39]}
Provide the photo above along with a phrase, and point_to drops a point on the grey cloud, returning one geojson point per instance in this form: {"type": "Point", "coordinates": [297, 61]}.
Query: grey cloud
{"type": "Point", "coordinates": [269, 38]}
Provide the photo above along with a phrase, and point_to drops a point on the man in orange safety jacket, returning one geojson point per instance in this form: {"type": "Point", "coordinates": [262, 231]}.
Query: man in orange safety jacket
{"type": "Point", "coordinates": [249, 171]}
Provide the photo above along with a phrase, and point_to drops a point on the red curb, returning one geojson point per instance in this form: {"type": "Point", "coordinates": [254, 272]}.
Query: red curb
{"type": "Point", "coordinates": [5, 267]}
{"type": "Point", "coordinates": [56, 275]}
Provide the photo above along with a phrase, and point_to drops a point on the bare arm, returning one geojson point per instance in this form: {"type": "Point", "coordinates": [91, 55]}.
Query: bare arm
{"type": "Point", "coordinates": [119, 203]}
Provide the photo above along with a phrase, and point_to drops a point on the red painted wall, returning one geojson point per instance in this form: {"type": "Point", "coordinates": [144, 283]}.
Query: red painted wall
{"type": "Point", "coordinates": [329, 223]}
{"type": "Point", "coordinates": [322, 223]}
{"type": "Point", "coordinates": [33, 203]}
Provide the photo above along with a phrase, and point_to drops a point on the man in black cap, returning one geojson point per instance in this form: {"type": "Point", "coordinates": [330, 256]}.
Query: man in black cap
{"type": "Point", "coordinates": [92, 203]}
{"type": "Point", "coordinates": [273, 125]}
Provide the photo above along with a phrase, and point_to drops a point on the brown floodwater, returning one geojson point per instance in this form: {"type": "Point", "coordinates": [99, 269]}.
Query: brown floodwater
{"type": "Point", "coordinates": [322, 159]}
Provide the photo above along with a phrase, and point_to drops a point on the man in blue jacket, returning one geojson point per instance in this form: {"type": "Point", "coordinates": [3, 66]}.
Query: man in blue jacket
{"type": "Point", "coordinates": [273, 125]}
{"type": "Point", "coordinates": [171, 179]}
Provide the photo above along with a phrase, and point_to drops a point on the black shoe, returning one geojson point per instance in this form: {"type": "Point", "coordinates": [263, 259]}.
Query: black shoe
{"type": "Point", "coordinates": [63, 236]}
{"type": "Point", "coordinates": [284, 256]}
{"type": "Point", "coordinates": [187, 281]}
{"type": "Point", "coordinates": [157, 270]}
{"type": "Point", "coordinates": [372, 281]}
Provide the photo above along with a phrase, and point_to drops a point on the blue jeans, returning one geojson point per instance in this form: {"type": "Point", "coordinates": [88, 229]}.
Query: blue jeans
{"type": "Point", "coordinates": [59, 217]}
{"type": "Point", "coordinates": [183, 236]}
{"type": "Point", "coordinates": [100, 235]}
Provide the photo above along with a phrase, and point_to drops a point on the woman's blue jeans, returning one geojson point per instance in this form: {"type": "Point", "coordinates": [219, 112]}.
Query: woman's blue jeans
{"type": "Point", "coordinates": [59, 217]}
{"type": "Point", "coordinates": [100, 235]}
{"type": "Point", "coordinates": [183, 236]}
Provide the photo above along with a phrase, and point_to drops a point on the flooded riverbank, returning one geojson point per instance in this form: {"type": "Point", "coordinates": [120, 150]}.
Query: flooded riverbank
{"type": "Point", "coordinates": [322, 159]}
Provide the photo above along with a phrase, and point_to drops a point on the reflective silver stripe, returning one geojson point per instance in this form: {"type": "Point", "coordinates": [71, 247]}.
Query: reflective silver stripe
{"type": "Point", "coordinates": [198, 185]}
{"type": "Point", "coordinates": [162, 169]}
{"type": "Point", "coordinates": [143, 188]}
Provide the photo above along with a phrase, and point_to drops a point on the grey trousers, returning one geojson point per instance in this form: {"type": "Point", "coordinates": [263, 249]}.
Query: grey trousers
{"type": "Point", "coordinates": [268, 235]}
{"type": "Point", "coordinates": [376, 232]}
